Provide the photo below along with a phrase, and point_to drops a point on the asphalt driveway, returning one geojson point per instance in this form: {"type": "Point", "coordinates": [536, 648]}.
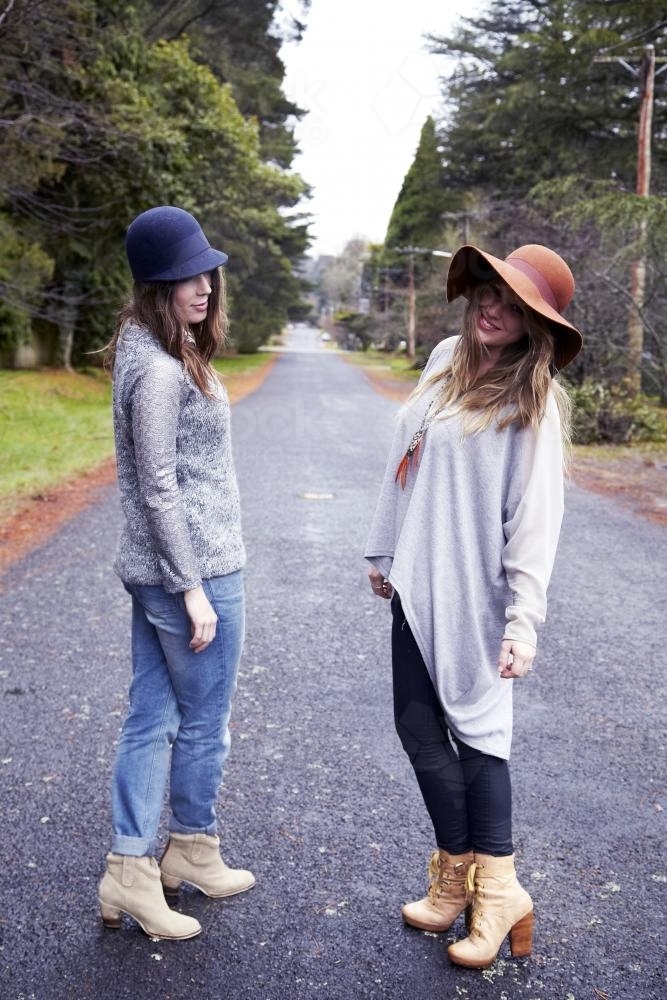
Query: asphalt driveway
{"type": "Point", "coordinates": [318, 798]}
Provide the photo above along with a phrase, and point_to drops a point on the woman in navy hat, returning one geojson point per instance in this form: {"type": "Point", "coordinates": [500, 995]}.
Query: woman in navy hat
{"type": "Point", "coordinates": [180, 557]}
{"type": "Point", "coordinates": [462, 543]}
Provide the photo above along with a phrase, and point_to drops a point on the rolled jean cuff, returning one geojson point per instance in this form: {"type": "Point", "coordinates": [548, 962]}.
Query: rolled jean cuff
{"type": "Point", "coordinates": [134, 847]}
{"type": "Point", "coordinates": [175, 827]}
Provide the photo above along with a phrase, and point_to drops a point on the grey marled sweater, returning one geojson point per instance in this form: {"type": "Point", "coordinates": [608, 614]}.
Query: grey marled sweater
{"type": "Point", "coordinates": [175, 471]}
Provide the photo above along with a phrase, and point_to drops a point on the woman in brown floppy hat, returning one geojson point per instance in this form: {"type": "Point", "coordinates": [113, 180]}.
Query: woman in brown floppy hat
{"type": "Point", "coordinates": [463, 542]}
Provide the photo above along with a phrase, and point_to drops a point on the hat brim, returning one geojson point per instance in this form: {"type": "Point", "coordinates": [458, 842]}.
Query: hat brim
{"type": "Point", "coordinates": [207, 260]}
{"type": "Point", "coordinates": [471, 266]}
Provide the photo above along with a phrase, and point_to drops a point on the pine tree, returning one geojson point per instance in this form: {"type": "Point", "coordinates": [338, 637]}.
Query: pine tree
{"type": "Point", "coordinates": [417, 216]}
{"type": "Point", "coordinates": [526, 100]}
{"type": "Point", "coordinates": [545, 135]}
{"type": "Point", "coordinates": [416, 226]}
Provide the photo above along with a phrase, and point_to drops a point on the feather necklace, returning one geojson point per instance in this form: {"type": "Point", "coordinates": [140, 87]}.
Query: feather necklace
{"type": "Point", "coordinates": [412, 455]}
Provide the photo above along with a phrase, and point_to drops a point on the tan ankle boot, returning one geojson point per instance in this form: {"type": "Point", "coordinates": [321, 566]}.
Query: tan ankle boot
{"type": "Point", "coordinates": [132, 885]}
{"type": "Point", "coordinates": [500, 907]}
{"type": "Point", "coordinates": [446, 897]}
{"type": "Point", "coordinates": [195, 858]}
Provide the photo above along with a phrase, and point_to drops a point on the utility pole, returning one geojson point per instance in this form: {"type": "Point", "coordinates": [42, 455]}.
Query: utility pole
{"type": "Point", "coordinates": [412, 297]}
{"type": "Point", "coordinates": [467, 215]}
{"type": "Point", "coordinates": [646, 75]}
{"type": "Point", "coordinates": [638, 286]}
{"type": "Point", "coordinates": [412, 307]}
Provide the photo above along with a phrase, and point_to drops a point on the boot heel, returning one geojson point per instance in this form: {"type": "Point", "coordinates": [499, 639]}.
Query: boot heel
{"type": "Point", "coordinates": [521, 936]}
{"type": "Point", "coordinates": [110, 915]}
{"type": "Point", "coordinates": [170, 886]}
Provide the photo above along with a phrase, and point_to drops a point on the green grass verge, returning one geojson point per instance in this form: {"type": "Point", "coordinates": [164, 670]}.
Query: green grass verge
{"type": "Point", "coordinates": [56, 424]}
{"type": "Point", "coordinates": [52, 424]}
{"type": "Point", "coordinates": [241, 364]}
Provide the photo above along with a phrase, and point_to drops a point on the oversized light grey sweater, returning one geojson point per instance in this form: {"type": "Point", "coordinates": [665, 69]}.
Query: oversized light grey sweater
{"type": "Point", "coordinates": [176, 474]}
{"type": "Point", "coordinates": [469, 545]}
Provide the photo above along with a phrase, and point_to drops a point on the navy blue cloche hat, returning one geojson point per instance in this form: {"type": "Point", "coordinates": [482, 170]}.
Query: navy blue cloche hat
{"type": "Point", "coordinates": [168, 244]}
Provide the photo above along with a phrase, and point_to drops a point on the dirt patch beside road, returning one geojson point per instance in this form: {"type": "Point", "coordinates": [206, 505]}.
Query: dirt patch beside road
{"type": "Point", "coordinates": [638, 480]}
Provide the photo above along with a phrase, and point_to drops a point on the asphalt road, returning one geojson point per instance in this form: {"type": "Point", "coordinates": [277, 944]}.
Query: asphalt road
{"type": "Point", "coordinates": [319, 799]}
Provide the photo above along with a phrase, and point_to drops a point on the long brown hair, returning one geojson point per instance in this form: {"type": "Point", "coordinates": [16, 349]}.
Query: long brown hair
{"type": "Point", "coordinates": [515, 390]}
{"type": "Point", "coordinates": [151, 306]}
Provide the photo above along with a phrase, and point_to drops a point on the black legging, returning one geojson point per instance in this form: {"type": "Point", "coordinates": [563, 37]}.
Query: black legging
{"type": "Point", "coordinates": [467, 793]}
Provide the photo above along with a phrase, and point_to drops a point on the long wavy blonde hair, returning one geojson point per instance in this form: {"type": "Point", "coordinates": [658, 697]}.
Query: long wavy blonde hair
{"type": "Point", "coordinates": [151, 305]}
{"type": "Point", "coordinates": [515, 390]}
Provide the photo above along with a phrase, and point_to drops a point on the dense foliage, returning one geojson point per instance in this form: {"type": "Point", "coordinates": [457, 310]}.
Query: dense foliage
{"type": "Point", "coordinates": [539, 144]}
{"type": "Point", "coordinates": [529, 101]}
{"type": "Point", "coordinates": [110, 108]}
{"type": "Point", "coordinates": [544, 102]}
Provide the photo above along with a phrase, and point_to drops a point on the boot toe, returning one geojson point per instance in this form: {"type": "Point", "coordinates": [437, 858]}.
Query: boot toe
{"type": "Point", "coordinates": [234, 881]}
{"type": "Point", "coordinates": [426, 917]}
{"type": "Point", "coordinates": [181, 929]}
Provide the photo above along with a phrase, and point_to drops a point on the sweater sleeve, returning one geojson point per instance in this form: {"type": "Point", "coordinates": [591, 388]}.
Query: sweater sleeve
{"type": "Point", "coordinates": [532, 533]}
{"type": "Point", "coordinates": [156, 401]}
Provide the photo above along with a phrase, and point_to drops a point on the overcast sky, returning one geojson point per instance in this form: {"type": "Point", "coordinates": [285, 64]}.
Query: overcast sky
{"type": "Point", "coordinates": [364, 75]}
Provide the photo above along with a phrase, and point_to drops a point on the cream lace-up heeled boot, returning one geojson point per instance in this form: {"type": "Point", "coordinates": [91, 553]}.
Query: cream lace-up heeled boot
{"type": "Point", "coordinates": [446, 897]}
{"type": "Point", "coordinates": [500, 907]}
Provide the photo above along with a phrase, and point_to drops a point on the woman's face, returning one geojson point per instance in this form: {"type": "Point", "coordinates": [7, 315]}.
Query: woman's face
{"type": "Point", "coordinates": [501, 319]}
{"type": "Point", "coordinates": [191, 298]}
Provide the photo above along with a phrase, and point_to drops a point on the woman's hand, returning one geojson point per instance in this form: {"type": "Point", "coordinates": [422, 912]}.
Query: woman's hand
{"type": "Point", "coordinates": [202, 617]}
{"type": "Point", "coordinates": [380, 586]}
{"type": "Point", "coordinates": [516, 658]}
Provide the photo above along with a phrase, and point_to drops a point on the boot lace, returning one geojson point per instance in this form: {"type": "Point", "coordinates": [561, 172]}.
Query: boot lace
{"type": "Point", "coordinates": [434, 877]}
{"type": "Point", "coordinates": [439, 877]}
{"type": "Point", "coordinates": [473, 894]}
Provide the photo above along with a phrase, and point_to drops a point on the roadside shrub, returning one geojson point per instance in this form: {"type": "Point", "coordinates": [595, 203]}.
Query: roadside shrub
{"type": "Point", "coordinates": [611, 414]}
{"type": "Point", "coordinates": [352, 330]}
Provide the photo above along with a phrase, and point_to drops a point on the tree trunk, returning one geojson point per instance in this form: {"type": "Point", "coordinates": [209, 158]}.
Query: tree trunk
{"type": "Point", "coordinates": [66, 325]}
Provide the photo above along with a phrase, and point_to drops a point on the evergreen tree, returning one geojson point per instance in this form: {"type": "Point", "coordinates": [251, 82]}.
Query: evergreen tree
{"type": "Point", "coordinates": [418, 223]}
{"type": "Point", "coordinates": [417, 216]}
{"type": "Point", "coordinates": [527, 101]}
{"type": "Point", "coordinates": [545, 136]}
{"type": "Point", "coordinates": [240, 43]}
{"type": "Point", "coordinates": [98, 124]}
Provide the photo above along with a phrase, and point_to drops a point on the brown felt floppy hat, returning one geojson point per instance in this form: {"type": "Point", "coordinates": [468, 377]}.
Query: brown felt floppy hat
{"type": "Point", "coordinates": [536, 274]}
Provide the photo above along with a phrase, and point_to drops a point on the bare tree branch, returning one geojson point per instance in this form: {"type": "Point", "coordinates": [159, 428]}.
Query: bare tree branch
{"type": "Point", "coordinates": [6, 11]}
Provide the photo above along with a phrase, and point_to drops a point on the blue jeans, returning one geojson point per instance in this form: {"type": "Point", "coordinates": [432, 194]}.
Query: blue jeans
{"type": "Point", "coordinates": [177, 727]}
